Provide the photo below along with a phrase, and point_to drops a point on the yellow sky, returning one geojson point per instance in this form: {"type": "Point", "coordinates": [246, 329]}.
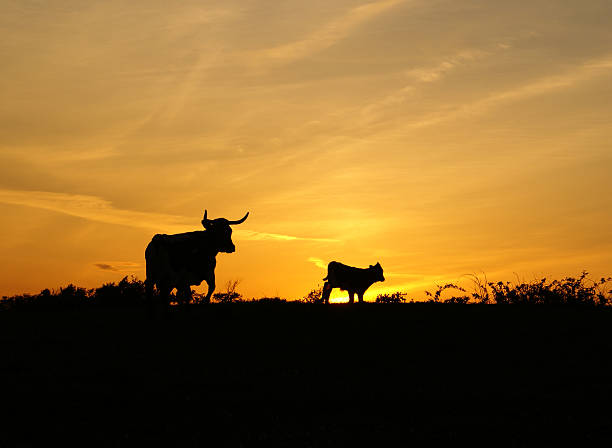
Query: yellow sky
{"type": "Point", "coordinates": [437, 137]}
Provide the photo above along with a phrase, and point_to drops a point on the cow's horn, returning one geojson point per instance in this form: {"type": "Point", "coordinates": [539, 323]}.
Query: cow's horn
{"type": "Point", "coordinates": [240, 221]}
{"type": "Point", "coordinates": [205, 219]}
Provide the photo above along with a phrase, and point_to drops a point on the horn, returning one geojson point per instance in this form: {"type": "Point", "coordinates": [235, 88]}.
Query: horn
{"type": "Point", "coordinates": [240, 221]}
{"type": "Point", "coordinates": [205, 219]}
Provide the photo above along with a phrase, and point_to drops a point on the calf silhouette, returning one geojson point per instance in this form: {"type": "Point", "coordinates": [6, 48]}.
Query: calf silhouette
{"type": "Point", "coordinates": [353, 280]}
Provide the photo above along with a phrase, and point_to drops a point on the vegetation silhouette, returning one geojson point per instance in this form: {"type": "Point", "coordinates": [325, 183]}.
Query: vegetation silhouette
{"type": "Point", "coordinates": [131, 292]}
{"type": "Point", "coordinates": [186, 259]}
{"type": "Point", "coordinates": [229, 295]}
{"type": "Point", "coordinates": [579, 290]}
{"type": "Point", "coordinates": [270, 300]}
{"type": "Point", "coordinates": [315, 295]}
{"type": "Point", "coordinates": [395, 297]}
{"type": "Point", "coordinates": [128, 292]}
{"type": "Point", "coordinates": [353, 280]}
{"type": "Point", "coordinates": [272, 373]}
{"type": "Point", "coordinates": [519, 364]}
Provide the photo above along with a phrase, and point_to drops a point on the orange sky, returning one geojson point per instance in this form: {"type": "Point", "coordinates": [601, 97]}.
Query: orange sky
{"type": "Point", "coordinates": [437, 137]}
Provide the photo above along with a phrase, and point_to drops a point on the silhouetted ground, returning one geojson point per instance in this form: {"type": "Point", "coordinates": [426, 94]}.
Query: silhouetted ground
{"type": "Point", "coordinates": [300, 375]}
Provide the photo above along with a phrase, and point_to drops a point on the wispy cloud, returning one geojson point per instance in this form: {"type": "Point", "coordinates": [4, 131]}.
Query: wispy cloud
{"type": "Point", "coordinates": [585, 72]}
{"type": "Point", "coordinates": [257, 236]}
{"type": "Point", "coordinates": [105, 267]}
{"type": "Point", "coordinates": [97, 209]}
{"type": "Point", "coordinates": [117, 266]}
{"type": "Point", "coordinates": [326, 36]}
{"type": "Point", "coordinates": [318, 262]}
{"type": "Point", "coordinates": [428, 74]}
{"type": "Point", "coordinates": [93, 208]}
{"type": "Point", "coordinates": [437, 71]}
{"type": "Point", "coordinates": [211, 52]}
{"type": "Point", "coordinates": [60, 156]}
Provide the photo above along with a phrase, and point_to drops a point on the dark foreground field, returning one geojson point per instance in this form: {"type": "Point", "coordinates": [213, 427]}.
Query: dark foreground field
{"type": "Point", "coordinates": [301, 375]}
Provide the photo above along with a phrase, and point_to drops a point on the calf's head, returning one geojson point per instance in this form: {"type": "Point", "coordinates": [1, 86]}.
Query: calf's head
{"type": "Point", "coordinates": [221, 231]}
{"type": "Point", "coordinates": [377, 272]}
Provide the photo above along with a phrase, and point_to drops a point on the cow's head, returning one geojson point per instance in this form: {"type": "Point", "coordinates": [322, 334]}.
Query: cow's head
{"type": "Point", "coordinates": [377, 272]}
{"type": "Point", "coordinates": [221, 231]}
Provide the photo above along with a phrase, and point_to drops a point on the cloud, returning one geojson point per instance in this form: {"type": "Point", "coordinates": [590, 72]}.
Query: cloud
{"type": "Point", "coordinates": [326, 36]}
{"type": "Point", "coordinates": [97, 209]}
{"type": "Point", "coordinates": [105, 267]}
{"type": "Point", "coordinates": [60, 156]}
{"type": "Point", "coordinates": [427, 75]}
{"type": "Point", "coordinates": [570, 78]}
{"type": "Point", "coordinates": [185, 80]}
{"type": "Point", "coordinates": [258, 236]}
{"type": "Point", "coordinates": [93, 208]}
{"type": "Point", "coordinates": [318, 262]}
{"type": "Point", "coordinates": [117, 266]}
{"type": "Point", "coordinates": [435, 72]}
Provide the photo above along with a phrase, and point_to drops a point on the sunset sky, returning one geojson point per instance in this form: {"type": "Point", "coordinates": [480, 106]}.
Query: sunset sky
{"type": "Point", "coordinates": [437, 137]}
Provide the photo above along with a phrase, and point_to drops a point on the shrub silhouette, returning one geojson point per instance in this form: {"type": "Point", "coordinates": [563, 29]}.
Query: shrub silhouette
{"type": "Point", "coordinates": [481, 290]}
{"type": "Point", "coordinates": [72, 295]}
{"type": "Point", "coordinates": [314, 296]}
{"type": "Point", "coordinates": [396, 297]}
{"type": "Point", "coordinates": [271, 300]}
{"type": "Point", "coordinates": [461, 300]}
{"type": "Point", "coordinates": [129, 291]}
{"type": "Point", "coordinates": [229, 295]}
{"type": "Point", "coordinates": [568, 291]}
{"type": "Point", "coordinates": [435, 297]}
{"type": "Point", "coordinates": [66, 297]}
{"type": "Point", "coordinates": [126, 292]}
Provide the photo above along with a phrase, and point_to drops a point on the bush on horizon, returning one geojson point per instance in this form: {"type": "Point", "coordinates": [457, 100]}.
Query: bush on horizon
{"type": "Point", "coordinates": [395, 297]}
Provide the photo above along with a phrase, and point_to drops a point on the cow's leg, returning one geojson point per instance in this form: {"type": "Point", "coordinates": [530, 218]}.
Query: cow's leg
{"type": "Point", "coordinates": [210, 281]}
{"type": "Point", "coordinates": [351, 296]}
{"type": "Point", "coordinates": [360, 296]}
{"type": "Point", "coordinates": [326, 292]}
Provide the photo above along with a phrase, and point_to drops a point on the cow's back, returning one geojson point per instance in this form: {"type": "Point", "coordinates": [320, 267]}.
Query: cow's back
{"type": "Point", "coordinates": [180, 258]}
